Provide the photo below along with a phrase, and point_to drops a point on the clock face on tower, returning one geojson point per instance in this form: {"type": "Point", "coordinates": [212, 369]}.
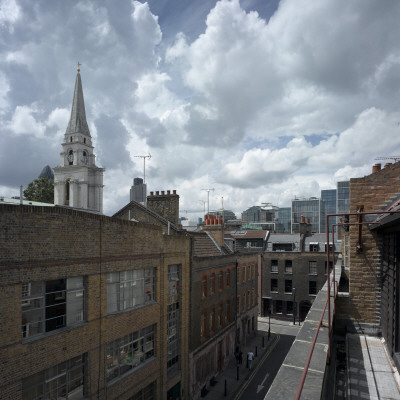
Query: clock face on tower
{"type": "Point", "coordinates": [70, 157]}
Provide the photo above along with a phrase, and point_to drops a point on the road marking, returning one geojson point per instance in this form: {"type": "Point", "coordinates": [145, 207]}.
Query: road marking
{"type": "Point", "coordinates": [267, 353]}
{"type": "Point", "coordinates": [261, 387]}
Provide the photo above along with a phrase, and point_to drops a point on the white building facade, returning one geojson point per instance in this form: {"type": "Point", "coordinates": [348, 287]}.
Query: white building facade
{"type": "Point", "coordinates": [78, 182]}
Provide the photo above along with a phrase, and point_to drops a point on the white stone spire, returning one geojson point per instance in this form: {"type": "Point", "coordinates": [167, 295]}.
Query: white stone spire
{"type": "Point", "coordinates": [78, 182]}
{"type": "Point", "coordinates": [77, 122]}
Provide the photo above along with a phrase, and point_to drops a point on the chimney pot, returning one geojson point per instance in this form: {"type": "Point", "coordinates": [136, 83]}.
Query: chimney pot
{"type": "Point", "coordinates": [162, 192]}
{"type": "Point", "coordinates": [387, 164]}
{"type": "Point", "coordinates": [308, 221]}
{"type": "Point", "coordinates": [174, 192]}
{"type": "Point", "coordinates": [151, 193]}
{"type": "Point", "coordinates": [168, 192]}
{"type": "Point", "coordinates": [157, 193]}
{"type": "Point", "coordinates": [303, 219]}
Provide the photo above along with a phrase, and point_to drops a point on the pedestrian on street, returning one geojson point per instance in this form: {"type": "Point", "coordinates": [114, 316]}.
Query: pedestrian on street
{"type": "Point", "coordinates": [250, 357]}
{"type": "Point", "coordinates": [240, 357]}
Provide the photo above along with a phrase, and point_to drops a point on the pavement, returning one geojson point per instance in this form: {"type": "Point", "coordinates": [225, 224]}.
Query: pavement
{"type": "Point", "coordinates": [371, 374]}
{"type": "Point", "coordinates": [230, 373]}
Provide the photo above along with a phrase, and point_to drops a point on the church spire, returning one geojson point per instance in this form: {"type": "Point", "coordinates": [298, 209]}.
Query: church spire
{"type": "Point", "coordinates": [77, 122]}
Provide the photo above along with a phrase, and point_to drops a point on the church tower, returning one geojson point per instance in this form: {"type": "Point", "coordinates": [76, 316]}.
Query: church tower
{"type": "Point", "coordinates": [78, 182]}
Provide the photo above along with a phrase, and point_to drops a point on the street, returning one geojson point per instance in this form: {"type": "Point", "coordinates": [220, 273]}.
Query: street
{"type": "Point", "coordinates": [261, 379]}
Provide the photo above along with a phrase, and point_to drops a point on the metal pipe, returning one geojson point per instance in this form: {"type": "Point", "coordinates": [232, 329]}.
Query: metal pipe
{"type": "Point", "coordinates": [329, 282]}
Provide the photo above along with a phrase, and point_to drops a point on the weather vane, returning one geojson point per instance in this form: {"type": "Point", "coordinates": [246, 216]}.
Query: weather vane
{"type": "Point", "coordinates": [79, 66]}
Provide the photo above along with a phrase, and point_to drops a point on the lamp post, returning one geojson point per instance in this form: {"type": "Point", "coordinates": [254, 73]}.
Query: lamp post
{"type": "Point", "coordinates": [294, 306]}
{"type": "Point", "coordinates": [269, 322]}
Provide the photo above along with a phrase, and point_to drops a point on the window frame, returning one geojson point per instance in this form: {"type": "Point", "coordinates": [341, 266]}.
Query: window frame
{"type": "Point", "coordinates": [52, 308]}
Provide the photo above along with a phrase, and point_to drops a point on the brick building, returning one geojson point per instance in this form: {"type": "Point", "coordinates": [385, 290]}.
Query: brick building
{"type": "Point", "coordinates": [294, 270]}
{"type": "Point", "coordinates": [223, 310]}
{"type": "Point", "coordinates": [373, 264]}
{"type": "Point", "coordinates": [88, 306]}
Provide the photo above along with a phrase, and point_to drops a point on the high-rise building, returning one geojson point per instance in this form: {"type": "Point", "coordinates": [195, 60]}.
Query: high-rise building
{"type": "Point", "coordinates": [283, 223]}
{"type": "Point", "coordinates": [343, 197]}
{"type": "Point", "coordinates": [310, 209]}
{"type": "Point", "coordinates": [328, 206]}
{"type": "Point", "coordinates": [78, 182]}
{"type": "Point", "coordinates": [138, 191]}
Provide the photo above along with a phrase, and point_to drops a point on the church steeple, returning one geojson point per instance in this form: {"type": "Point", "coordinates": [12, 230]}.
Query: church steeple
{"type": "Point", "coordinates": [77, 122]}
{"type": "Point", "coordinates": [78, 182]}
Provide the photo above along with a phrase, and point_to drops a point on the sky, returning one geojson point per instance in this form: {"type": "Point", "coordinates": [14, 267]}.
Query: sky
{"type": "Point", "coordinates": [261, 100]}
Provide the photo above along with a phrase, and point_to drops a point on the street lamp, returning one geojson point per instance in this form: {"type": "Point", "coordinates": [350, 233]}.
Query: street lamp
{"type": "Point", "coordinates": [269, 322]}
{"type": "Point", "coordinates": [294, 305]}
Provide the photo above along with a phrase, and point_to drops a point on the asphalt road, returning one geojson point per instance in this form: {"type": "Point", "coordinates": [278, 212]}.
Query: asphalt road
{"type": "Point", "coordinates": [259, 382]}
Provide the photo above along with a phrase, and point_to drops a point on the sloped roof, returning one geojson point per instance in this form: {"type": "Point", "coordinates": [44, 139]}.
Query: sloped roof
{"type": "Point", "coordinates": [153, 215]}
{"type": "Point", "coordinates": [204, 245]}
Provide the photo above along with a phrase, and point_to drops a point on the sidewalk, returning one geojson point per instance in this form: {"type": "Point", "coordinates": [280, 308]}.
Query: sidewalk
{"type": "Point", "coordinates": [229, 374]}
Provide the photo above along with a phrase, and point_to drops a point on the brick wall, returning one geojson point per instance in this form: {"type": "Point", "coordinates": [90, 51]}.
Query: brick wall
{"type": "Point", "coordinates": [374, 192]}
{"type": "Point", "coordinates": [39, 244]}
{"type": "Point", "coordinates": [166, 205]}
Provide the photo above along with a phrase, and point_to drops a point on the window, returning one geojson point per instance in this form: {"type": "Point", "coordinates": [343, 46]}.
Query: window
{"type": "Point", "coordinates": [220, 280]}
{"type": "Point", "coordinates": [249, 272]}
{"type": "Point", "coordinates": [288, 267]}
{"type": "Point", "coordinates": [282, 246]}
{"type": "Point", "coordinates": [278, 306]}
{"type": "Point", "coordinates": [313, 247]}
{"type": "Point", "coordinates": [212, 321]}
{"type": "Point", "coordinates": [274, 285]}
{"type": "Point", "coordinates": [274, 266]}
{"type": "Point", "coordinates": [173, 316]}
{"type": "Point", "coordinates": [204, 286]}
{"type": "Point", "coordinates": [243, 274]}
{"type": "Point", "coordinates": [244, 302]}
{"type": "Point", "coordinates": [212, 283]}
{"type": "Point", "coordinates": [228, 278]}
{"type": "Point", "coordinates": [248, 299]}
{"type": "Point", "coordinates": [331, 247]}
{"type": "Point", "coordinates": [129, 352]}
{"type": "Point", "coordinates": [128, 289]}
{"type": "Point", "coordinates": [312, 267]}
{"type": "Point", "coordinates": [203, 327]}
{"type": "Point", "coordinates": [253, 294]}
{"type": "Point", "coordinates": [288, 286]}
{"type": "Point", "coordinates": [50, 305]}
{"type": "Point", "coordinates": [312, 287]}
{"type": "Point", "coordinates": [228, 312]}
{"type": "Point", "coordinates": [145, 394]}
{"type": "Point", "coordinates": [221, 316]}
{"type": "Point", "coordinates": [62, 381]}
{"type": "Point", "coordinates": [237, 274]}
{"type": "Point", "coordinates": [289, 307]}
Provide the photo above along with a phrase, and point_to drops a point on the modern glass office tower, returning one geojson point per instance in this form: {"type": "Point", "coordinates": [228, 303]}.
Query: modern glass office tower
{"type": "Point", "coordinates": [311, 209]}
{"type": "Point", "coordinates": [328, 198]}
{"type": "Point", "coordinates": [283, 224]}
{"type": "Point", "coordinates": [343, 197]}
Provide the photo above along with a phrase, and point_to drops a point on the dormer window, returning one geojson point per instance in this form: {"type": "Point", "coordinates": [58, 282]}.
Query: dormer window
{"type": "Point", "coordinates": [314, 247]}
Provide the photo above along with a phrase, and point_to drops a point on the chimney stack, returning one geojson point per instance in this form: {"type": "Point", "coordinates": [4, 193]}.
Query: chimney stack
{"type": "Point", "coordinates": [165, 205]}
{"type": "Point", "coordinates": [376, 168]}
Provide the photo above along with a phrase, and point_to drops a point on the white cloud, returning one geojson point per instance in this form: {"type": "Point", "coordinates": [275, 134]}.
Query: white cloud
{"type": "Point", "coordinates": [23, 122]}
{"type": "Point", "coordinates": [10, 12]}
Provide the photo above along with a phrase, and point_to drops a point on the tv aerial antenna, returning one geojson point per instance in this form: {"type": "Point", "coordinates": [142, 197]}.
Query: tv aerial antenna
{"type": "Point", "coordinates": [208, 199]}
{"type": "Point", "coordinates": [394, 158]}
{"type": "Point", "coordinates": [144, 165]}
